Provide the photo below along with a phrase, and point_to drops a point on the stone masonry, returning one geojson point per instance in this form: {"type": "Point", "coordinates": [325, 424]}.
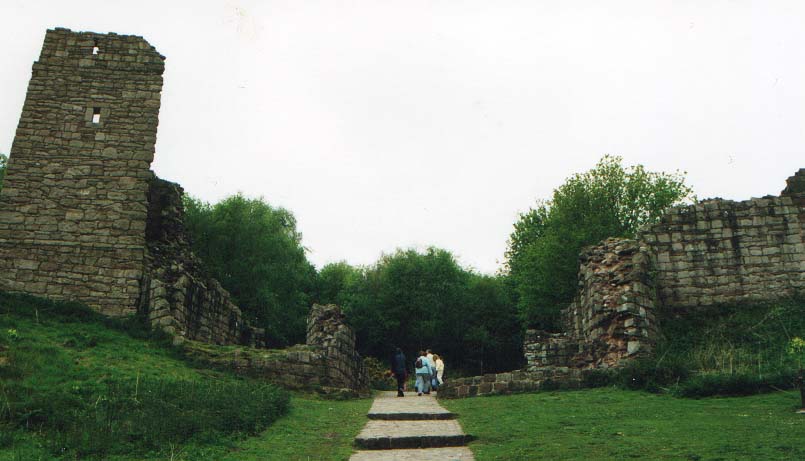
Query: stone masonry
{"type": "Point", "coordinates": [73, 206]}
{"type": "Point", "coordinates": [177, 294]}
{"type": "Point", "coordinates": [714, 252]}
{"type": "Point", "coordinates": [326, 362]}
{"type": "Point", "coordinates": [721, 251]}
{"type": "Point", "coordinates": [82, 216]}
{"type": "Point", "coordinates": [613, 316]}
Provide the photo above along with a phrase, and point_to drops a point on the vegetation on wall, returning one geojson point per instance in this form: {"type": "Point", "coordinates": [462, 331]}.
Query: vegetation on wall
{"type": "Point", "coordinates": [255, 251]}
{"type": "Point", "coordinates": [609, 200]}
{"type": "Point", "coordinates": [720, 350]}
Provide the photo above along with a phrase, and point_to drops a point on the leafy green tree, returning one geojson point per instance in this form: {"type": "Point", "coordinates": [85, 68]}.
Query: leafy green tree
{"type": "Point", "coordinates": [333, 282]}
{"type": "Point", "coordinates": [417, 300]}
{"type": "Point", "coordinates": [256, 252]}
{"type": "Point", "coordinates": [607, 201]}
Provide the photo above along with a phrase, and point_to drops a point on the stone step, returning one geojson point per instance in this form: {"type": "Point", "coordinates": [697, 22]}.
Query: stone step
{"type": "Point", "coordinates": [411, 407]}
{"type": "Point", "coordinates": [385, 435]}
{"type": "Point", "coordinates": [412, 416]}
{"type": "Point", "coordinates": [422, 454]}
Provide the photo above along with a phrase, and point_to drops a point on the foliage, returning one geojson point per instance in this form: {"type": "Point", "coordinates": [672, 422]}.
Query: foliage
{"type": "Point", "coordinates": [616, 424]}
{"type": "Point", "coordinates": [607, 201]}
{"type": "Point", "coordinates": [89, 391]}
{"type": "Point", "coordinates": [796, 349]}
{"type": "Point", "coordinates": [255, 251]}
{"type": "Point", "coordinates": [721, 350]}
{"type": "Point", "coordinates": [333, 279]}
{"type": "Point", "coordinates": [725, 384]}
{"type": "Point", "coordinates": [380, 377]}
{"type": "Point", "coordinates": [651, 376]}
{"type": "Point", "coordinates": [416, 301]}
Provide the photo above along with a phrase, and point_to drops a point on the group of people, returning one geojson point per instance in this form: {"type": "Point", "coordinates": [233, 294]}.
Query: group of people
{"type": "Point", "coordinates": [429, 369]}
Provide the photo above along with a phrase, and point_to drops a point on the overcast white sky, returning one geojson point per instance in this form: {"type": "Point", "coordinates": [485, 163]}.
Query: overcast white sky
{"type": "Point", "coordinates": [385, 124]}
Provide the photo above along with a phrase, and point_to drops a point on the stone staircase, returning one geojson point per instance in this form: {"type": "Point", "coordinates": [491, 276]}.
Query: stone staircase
{"type": "Point", "coordinates": [411, 428]}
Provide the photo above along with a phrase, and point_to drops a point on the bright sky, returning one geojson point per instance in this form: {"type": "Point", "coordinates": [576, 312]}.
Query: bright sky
{"type": "Point", "coordinates": [384, 124]}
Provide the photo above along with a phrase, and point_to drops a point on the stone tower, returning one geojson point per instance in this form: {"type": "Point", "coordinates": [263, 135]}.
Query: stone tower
{"type": "Point", "coordinates": [74, 202]}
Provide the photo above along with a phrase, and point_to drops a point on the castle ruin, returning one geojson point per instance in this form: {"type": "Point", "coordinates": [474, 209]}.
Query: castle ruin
{"type": "Point", "coordinates": [711, 253]}
{"type": "Point", "coordinates": [82, 216]}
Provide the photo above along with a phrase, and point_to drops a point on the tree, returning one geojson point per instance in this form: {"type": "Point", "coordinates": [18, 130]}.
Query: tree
{"type": "Point", "coordinates": [607, 201]}
{"type": "Point", "coordinates": [416, 300]}
{"type": "Point", "coordinates": [255, 251]}
{"type": "Point", "coordinates": [334, 281]}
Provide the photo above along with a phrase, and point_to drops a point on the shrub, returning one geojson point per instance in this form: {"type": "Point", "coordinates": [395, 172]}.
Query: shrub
{"type": "Point", "coordinates": [598, 378]}
{"type": "Point", "coordinates": [141, 416]}
{"type": "Point", "coordinates": [651, 376]}
{"type": "Point", "coordinates": [719, 384]}
{"type": "Point", "coordinates": [378, 374]}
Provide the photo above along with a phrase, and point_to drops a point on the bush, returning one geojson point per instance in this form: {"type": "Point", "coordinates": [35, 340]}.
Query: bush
{"type": "Point", "coordinates": [718, 384]}
{"type": "Point", "coordinates": [651, 376]}
{"type": "Point", "coordinates": [378, 374]}
{"type": "Point", "coordinates": [141, 416]}
{"type": "Point", "coordinates": [598, 378]}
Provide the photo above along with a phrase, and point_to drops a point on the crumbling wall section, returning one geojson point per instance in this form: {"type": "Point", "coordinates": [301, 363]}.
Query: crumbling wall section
{"type": "Point", "coordinates": [73, 205]}
{"type": "Point", "coordinates": [327, 330]}
{"type": "Point", "coordinates": [328, 362]}
{"type": "Point", "coordinates": [612, 319]}
{"type": "Point", "coordinates": [177, 295]}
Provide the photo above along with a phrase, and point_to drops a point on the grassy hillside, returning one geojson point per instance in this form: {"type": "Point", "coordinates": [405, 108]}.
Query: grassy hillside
{"type": "Point", "coordinates": [75, 385]}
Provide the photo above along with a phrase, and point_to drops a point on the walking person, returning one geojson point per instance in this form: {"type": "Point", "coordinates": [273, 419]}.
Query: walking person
{"type": "Point", "coordinates": [423, 367]}
{"type": "Point", "coordinates": [439, 369]}
{"type": "Point", "coordinates": [398, 369]}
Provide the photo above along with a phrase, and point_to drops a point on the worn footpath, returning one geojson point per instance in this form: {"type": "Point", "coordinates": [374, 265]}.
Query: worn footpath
{"type": "Point", "coordinates": [411, 428]}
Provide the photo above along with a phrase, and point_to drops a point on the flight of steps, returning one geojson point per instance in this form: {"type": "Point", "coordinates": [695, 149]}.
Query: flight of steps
{"type": "Point", "coordinates": [411, 428]}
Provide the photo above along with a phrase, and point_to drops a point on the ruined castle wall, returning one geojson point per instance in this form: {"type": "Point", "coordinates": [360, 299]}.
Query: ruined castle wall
{"type": "Point", "coordinates": [327, 362]}
{"type": "Point", "coordinates": [327, 330]}
{"type": "Point", "coordinates": [721, 251]}
{"type": "Point", "coordinates": [177, 294]}
{"type": "Point", "coordinates": [612, 318]}
{"type": "Point", "coordinates": [73, 205]}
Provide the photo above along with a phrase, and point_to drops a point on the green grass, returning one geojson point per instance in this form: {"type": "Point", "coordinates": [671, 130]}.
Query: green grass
{"type": "Point", "coordinates": [75, 385]}
{"type": "Point", "coordinates": [616, 424]}
{"type": "Point", "coordinates": [313, 430]}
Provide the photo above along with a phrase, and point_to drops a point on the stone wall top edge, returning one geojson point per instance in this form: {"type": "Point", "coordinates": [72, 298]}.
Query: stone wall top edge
{"type": "Point", "coordinates": [132, 41]}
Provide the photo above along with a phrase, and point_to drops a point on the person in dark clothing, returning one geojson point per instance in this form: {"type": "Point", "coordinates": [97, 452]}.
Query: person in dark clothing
{"type": "Point", "coordinates": [398, 369]}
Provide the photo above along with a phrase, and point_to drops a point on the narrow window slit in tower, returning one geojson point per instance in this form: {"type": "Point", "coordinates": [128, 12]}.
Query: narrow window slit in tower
{"type": "Point", "coordinates": [96, 115]}
{"type": "Point", "coordinates": [95, 49]}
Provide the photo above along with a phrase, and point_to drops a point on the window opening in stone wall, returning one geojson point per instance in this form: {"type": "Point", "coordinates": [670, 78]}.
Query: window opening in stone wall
{"type": "Point", "coordinates": [95, 49]}
{"type": "Point", "coordinates": [96, 115]}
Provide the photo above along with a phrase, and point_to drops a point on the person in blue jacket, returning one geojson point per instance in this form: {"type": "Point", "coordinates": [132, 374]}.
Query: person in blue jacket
{"type": "Point", "coordinates": [398, 370]}
{"type": "Point", "coordinates": [423, 371]}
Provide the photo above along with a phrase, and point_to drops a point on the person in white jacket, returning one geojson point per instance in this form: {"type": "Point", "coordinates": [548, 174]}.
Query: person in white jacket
{"type": "Point", "coordinates": [439, 368]}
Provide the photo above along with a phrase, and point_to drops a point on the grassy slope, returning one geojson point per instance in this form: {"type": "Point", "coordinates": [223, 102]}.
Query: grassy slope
{"type": "Point", "coordinates": [616, 424]}
{"type": "Point", "coordinates": [314, 430]}
{"type": "Point", "coordinates": [80, 354]}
